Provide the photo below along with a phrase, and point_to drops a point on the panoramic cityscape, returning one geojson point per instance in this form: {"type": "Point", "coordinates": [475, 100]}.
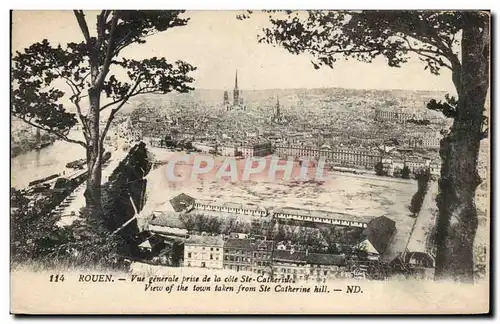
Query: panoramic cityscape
{"type": "Point", "coordinates": [341, 156]}
{"type": "Point", "coordinates": [364, 220]}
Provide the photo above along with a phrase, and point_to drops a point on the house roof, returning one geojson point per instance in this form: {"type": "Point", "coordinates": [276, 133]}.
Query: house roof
{"type": "Point", "coordinates": [205, 240]}
{"type": "Point", "coordinates": [323, 214]}
{"type": "Point", "coordinates": [265, 245]}
{"type": "Point", "coordinates": [230, 204]}
{"type": "Point", "coordinates": [181, 202]}
{"type": "Point", "coordinates": [326, 259]}
{"type": "Point", "coordinates": [421, 258]}
{"type": "Point", "coordinates": [236, 243]}
{"type": "Point", "coordinates": [145, 245]}
{"type": "Point", "coordinates": [168, 230]}
{"type": "Point", "coordinates": [289, 256]}
{"type": "Point", "coordinates": [367, 246]}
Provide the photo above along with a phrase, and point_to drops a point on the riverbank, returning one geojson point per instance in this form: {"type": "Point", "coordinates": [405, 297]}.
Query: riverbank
{"type": "Point", "coordinates": [20, 145]}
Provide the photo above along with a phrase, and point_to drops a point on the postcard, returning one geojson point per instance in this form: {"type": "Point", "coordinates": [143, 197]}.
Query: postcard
{"type": "Point", "coordinates": [250, 162]}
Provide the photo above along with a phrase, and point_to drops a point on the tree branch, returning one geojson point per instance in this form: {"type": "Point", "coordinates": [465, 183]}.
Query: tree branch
{"type": "Point", "coordinates": [109, 52]}
{"type": "Point", "coordinates": [421, 51]}
{"type": "Point", "coordinates": [111, 104]}
{"type": "Point", "coordinates": [80, 18]}
{"type": "Point", "coordinates": [369, 50]}
{"type": "Point", "coordinates": [115, 110]}
{"type": "Point", "coordinates": [76, 102]}
{"type": "Point", "coordinates": [51, 131]}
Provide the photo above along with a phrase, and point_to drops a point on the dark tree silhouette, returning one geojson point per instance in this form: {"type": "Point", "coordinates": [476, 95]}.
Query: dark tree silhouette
{"type": "Point", "coordinates": [379, 169]}
{"type": "Point", "coordinates": [454, 40]}
{"type": "Point", "coordinates": [405, 172]}
{"type": "Point", "coordinates": [90, 69]}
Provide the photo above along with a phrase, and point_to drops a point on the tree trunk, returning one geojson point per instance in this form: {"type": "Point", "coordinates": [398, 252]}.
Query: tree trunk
{"type": "Point", "coordinates": [457, 221]}
{"type": "Point", "coordinates": [94, 158]}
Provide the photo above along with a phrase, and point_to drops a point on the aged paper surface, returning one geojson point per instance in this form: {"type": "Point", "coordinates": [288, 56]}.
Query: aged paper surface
{"type": "Point", "coordinates": [223, 162]}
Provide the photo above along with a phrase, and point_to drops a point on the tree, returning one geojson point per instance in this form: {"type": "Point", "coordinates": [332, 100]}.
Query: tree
{"type": "Point", "coordinates": [454, 40]}
{"type": "Point", "coordinates": [405, 172]}
{"type": "Point", "coordinates": [379, 169]}
{"type": "Point", "coordinates": [188, 220]}
{"type": "Point", "coordinates": [423, 177]}
{"type": "Point", "coordinates": [91, 69]}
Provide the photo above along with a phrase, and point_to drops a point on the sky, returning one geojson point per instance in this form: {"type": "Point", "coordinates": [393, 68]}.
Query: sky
{"type": "Point", "coordinates": [218, 44]}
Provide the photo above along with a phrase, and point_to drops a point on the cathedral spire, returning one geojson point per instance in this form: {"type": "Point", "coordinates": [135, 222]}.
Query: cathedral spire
{"type": "Point", "coordinates": [236, 81]}
{"type": "Point", "coordinates": [278, 106]}
{"type": "Point", "coordinates": [236, 91]}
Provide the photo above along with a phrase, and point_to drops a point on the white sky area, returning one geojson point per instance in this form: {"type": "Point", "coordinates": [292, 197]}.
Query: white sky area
{"type": "Point", "coordinates": [218, 44]}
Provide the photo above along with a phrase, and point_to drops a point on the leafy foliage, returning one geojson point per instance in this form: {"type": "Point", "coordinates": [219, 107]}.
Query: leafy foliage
{"type": "Point", "coordinates": [423, 177]}
{"type": "Point", "coordinates": [379, 169]}
{"type": "Point", "coordinates": [90, 69]}
{"type": "Point", "coordinates": [328, 36]}
{"type": "Point", "coordinates": [365, 35]}
{"type": "Point", "coordinates": [448, 108]}
{"type": "Point", "coordinates": [36, 239]}
{"type": "Point", "coordinates": [405, 172]}
{"type": "Point", "coordinates": [85, 68]}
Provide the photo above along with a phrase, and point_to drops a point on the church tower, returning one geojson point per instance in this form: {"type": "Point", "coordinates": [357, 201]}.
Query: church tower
{"type": "Point", "coordinates": [236, 91]}
{"type": "Point", "coordinates": [278, 112]}
{"type": "Point", "coordinates": [226, 100]}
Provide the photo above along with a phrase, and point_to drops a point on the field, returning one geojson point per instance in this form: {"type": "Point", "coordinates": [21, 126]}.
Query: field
{"type": "Point", "coordinates": [353, 194]}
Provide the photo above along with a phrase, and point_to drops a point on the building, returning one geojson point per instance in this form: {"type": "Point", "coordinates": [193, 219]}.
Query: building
{"type": "Point", "coordinates": [230, 208]}
{"type": "Point", "coordinates": [206, 148]}
{"type": "Point", "coordinates": [163, 223]}
{"type": "Point", "coordinates": [435, 169]}
{"type": "Point", "coordinates": [204, 252]}
{"type": "Point", "coordinates": [397, 116]}
{"type": "Point", "coordinates": [414, 164]}
{"type": "Point", "coordinates": [323, 267]}
{"type": "Point", "coordinates": [248, 254]}
{"type": "Point", "coordinates": [262, 257]}
{"type": "Point", "coordinates": [345, 157]}
{"type": "Point", "coordinates": [320, 216]}
{"type": "Point", "coordinates": [182, 202]}
{"type": "Point", "coordinates": [289, 264]}
{"type": "Point", "coordinates": [278, 117]}
{"type": "Point", "coordinates": [418, 265]}
{"type": "Point", "coordinates": [426, 140]}
{"type": "Point", "coordinates": [255, 148]}
{"type": "Point", "coordinates": [238, 254]}
{"type": "Point", "coordinates": [368, 251]}
{"type": "Point", "coordinates": [227, 149]}
{"type": "Point", "coordinates": [238, 103]}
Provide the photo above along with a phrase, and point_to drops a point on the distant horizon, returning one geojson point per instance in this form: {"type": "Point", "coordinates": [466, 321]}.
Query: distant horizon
{"type": "Point", "coordinates": [317, 88]}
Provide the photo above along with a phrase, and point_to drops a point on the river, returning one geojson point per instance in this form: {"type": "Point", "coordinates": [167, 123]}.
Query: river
{"type": "Point", "coordinates": [37, 164]}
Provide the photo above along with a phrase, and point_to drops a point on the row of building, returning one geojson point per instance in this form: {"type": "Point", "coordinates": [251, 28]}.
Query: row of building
{"type": "Point", "coordinates": [245, 149]}
{"type": "Point", "coordinates": [415, 164]}
{"type": "Point", "coordinates": [263, 257]}
{"type": "Point", "coordinates": [283, 259]}
{"type": "Point", "coordinates": [403, 116]}
{"type": "Point", "coordinates": [358, 158]}
{"type": "Point", "coordinates": [332, 156]}
{"type": "Point", "coordinates": [281, 213]}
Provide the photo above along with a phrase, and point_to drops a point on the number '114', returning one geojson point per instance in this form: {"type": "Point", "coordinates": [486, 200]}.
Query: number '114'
{"type": "Point", "coordinates": [56, 278]}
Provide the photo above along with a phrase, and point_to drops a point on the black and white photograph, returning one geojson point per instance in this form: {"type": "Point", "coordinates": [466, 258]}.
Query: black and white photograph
{"type": "Point", "coordinates": [250, 161]}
